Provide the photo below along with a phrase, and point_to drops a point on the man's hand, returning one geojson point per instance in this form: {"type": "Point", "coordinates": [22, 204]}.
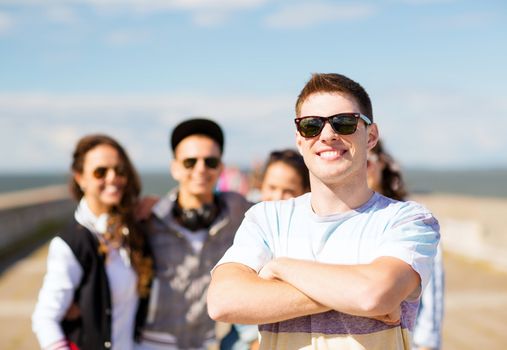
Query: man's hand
{"type": "Point", "coordinates": [144, 206]}
{"type": "Point", "coordinates": [367, 290]}
{"type": "Point", "coordinates": [267, 271]}
{"type": "Point", "coordinates": [238, 295]}
{"type": "Point", "coordinates": [254, 345]}
{"type": "Point", "coordinates": [392, 318]}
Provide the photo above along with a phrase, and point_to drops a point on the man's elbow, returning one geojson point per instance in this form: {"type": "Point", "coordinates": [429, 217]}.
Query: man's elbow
{"type": "Point", "coordinates": [217, 309]}
{"type": "Point", "coordinates": [227, 297]}
{"type": "Point", "coordinates": [384, 292]}
{"type": "Point", "coordinates": [219, 305]}
{"type": "Point", "coordinates": [376, 301]}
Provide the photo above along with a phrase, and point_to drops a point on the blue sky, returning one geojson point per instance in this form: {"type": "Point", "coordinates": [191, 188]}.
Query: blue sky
{"type": "Point", "coordinates": [435, 70]}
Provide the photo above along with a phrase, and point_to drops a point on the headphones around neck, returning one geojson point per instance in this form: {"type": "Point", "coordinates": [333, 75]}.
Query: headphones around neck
{"type": "Point", "coordinates": [196, 218]}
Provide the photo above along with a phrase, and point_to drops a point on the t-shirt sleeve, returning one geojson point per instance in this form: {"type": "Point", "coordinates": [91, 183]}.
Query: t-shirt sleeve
{"type": "Point", "coordinates": [251, 246]}
{"type": "Point", "coordinates": [412, 236]}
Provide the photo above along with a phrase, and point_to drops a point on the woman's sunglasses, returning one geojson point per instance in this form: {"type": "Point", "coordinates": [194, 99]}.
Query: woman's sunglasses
{"type": "Point", "coordinates": [343, 124]}
{"type": "Point", "coordinates": [210, 162]}
{"type": "Point", "coordinates": [101, 172]}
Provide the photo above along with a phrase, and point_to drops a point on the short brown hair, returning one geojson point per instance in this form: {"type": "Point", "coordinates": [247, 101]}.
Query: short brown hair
{"type": "Point", "coordinates": [335, 83]}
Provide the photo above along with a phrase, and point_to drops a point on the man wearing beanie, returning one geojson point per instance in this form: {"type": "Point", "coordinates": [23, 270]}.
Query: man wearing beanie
{"type": "Point", "coordinates": [189, 230]}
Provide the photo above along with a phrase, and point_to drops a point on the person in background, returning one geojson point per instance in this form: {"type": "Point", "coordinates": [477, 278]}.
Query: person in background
{"type": "Point", "coordinates": [384, 176]}
{"type": "Point", "coordinates": [341, 266]}
{"type": "Point", "coordinates": [189, 229]}
{"type": "Point", "coordinates": [285, 176]}
{"type": "Point", "coordinates": [99, 266]}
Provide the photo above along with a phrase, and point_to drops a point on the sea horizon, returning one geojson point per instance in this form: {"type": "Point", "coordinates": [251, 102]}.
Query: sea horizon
{"type": "Point", "coordinates": [483, 182]}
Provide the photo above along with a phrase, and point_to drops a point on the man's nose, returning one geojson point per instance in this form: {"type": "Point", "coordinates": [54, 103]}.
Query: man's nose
{"type": "Point", "coordinates": [200, 165]}
{"type": "Point", "coordinates": [328, 134]}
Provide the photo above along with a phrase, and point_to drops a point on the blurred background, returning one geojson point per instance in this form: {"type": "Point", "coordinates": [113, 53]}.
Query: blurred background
{"type": "Point", "coordinates": [434, 69]}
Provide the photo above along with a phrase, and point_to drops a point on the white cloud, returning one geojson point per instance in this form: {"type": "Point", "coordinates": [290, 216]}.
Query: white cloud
{"type": "Point", "coordinates": [422, 128]}
{"type": "Point", "coordinates": [203, 12]}
{"type": "Point", "coordinates": [154, 5]}
{"type": "Point", "coordinates": [443, 128]}
{"type": "Point", "coordinates": [311, 13]}
{"type": "Point", "coordinates": [38, 131]}
{"type": "Point", "coordinates": [6, 23]}
{"type": "Point", "coordinates": [62, 14]}
{"type": "Point", "coordinates": [228, 4]}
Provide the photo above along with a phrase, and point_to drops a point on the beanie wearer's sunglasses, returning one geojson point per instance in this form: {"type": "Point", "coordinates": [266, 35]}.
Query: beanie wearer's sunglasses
{"type": "Point", "coordinates": [210, 162]}
{"type": "Point", "coordinates": [101, 172]}
{"type": "Point", "coordinates": [343, 124]}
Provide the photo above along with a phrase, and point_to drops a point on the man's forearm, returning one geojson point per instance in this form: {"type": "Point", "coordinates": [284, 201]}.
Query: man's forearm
{"type": "Point", "coordinates": [362, 290]}
{"type": "Point", "coordinates": [238, 295]}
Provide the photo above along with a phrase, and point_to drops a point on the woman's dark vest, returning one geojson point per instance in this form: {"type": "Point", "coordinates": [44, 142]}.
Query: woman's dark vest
{"type": "Point", "coordinates": [92, 330]}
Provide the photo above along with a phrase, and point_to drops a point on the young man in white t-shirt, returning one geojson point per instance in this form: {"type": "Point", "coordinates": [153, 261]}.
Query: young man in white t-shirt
{"type": "Point", "coordinates": [341, 267]}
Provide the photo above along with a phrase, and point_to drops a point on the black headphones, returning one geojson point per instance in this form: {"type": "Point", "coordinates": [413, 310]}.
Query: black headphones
{"type": "Point", "coordinates": [196, 218]}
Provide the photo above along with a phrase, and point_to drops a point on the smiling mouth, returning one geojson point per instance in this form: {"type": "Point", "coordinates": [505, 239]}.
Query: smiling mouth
{"type": "Point", "coordinates": [331, 155]}
{"type": "Point", "coordinates": [112, 189]}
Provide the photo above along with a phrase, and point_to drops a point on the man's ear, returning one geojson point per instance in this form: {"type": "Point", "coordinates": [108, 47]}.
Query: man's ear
{"type": "Point", "coordinates": [221, 167]}
{"type": "Point", "coordinates": [299, 139]}
{"type": "Point", "coordinates": [373, 136]}
{"type": "Point", "coordinates": [174, 169]}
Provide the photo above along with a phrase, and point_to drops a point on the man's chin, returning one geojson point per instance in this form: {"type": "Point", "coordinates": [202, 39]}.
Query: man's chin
{"type": "Point", "coordinates": [201, 191]}
{"type": "Point", "coordinates": [111, 199]}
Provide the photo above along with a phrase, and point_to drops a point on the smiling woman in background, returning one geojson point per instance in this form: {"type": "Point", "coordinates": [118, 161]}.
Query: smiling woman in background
{"type": "Point", "coordinates": [99, 266]}
{"type": "Point", "coordinates": [285, 176]}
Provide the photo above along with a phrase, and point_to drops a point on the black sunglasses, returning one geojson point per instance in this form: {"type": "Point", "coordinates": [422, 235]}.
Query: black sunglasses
{"type": "Point", "coordinates": [343, 124]}
{"type": "Point", "coordinates": [210, 162]}
{"type": "Point", "coordinates": [101, 171]}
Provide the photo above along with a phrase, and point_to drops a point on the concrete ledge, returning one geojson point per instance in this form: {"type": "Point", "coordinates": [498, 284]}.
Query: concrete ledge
{"type": "Point", "coordinates": [11, 200]}
{"type": "Point", "coordinates": [24, 215]}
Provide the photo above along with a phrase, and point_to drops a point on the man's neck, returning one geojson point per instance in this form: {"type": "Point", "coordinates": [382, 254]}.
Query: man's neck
{"type": "Point", "coordinates": [189, 201]}
{"type": "Point", "coordinates": [334, 199]}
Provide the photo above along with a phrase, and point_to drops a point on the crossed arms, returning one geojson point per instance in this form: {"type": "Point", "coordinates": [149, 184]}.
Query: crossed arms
{"type": "Point", "coordinates": [286, 288]}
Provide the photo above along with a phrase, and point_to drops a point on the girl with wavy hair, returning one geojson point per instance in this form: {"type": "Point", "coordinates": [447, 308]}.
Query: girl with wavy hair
{"type": "Point", "coordinates": [98, 268]}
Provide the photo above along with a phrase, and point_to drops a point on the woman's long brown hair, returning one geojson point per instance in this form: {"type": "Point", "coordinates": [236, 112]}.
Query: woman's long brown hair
{"type": "Point", "coordinates": [392, 183]}
{"type": "Point", "coordinates": [123, 213]}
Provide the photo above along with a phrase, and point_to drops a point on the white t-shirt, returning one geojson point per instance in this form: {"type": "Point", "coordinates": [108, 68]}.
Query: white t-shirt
{"type": "Point", "coordinates": [381, 227]}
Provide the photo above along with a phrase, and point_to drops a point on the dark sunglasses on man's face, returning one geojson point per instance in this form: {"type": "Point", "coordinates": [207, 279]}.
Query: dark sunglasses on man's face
{"type": "Point", "coordinates": [343, 124]}
{"type": "Point", "coordinates": [101, 171]}
{"type": "Point", "coordinates": [210, 162]}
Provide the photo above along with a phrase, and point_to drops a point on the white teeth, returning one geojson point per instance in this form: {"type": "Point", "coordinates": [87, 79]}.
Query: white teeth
{"type": "Point", "coordinates": [111, 189]}
{"type": "Point", "coordinates": [329, 154]}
